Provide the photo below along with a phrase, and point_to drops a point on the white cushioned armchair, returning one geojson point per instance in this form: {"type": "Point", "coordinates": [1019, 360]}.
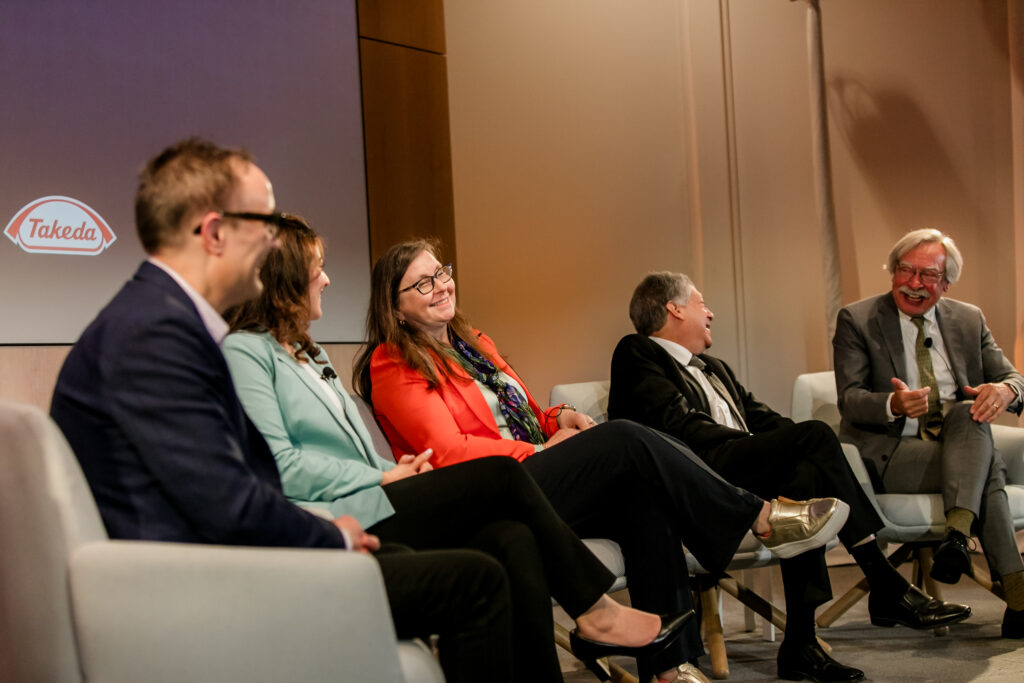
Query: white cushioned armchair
{"type": "Point", "coordinates": [77, 606]}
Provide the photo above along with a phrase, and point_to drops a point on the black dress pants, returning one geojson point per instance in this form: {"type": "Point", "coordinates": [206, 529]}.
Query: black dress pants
{"type": "Point", "coordinates": [462, 595]}
{"type": "Point", "coordinates": [648, 492]}
{"type": "Point", "coordinates": [799, 461]}
{"type": "Point", "coordinates": [494, 506]}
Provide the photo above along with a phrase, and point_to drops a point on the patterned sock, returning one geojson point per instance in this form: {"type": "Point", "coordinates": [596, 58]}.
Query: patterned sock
{"type": "Point", "coordinates": [1013, 587]}
{"type": "Point", "coordinates": [960, 519]}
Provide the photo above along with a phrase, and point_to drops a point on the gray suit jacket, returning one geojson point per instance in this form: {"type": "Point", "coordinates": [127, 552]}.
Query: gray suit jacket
{"type": "Point", "coordinates": [868, 352]}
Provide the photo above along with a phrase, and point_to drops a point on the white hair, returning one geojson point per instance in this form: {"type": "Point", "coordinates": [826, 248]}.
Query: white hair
{"type": "Point", "coordinates": [915, 238]}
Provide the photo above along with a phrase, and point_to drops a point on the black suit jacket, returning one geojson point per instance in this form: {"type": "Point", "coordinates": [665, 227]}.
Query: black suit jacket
{"type": "Point", "coordinates": [650, 387]}
{"type": "Point", "coordinates": [146, 401]}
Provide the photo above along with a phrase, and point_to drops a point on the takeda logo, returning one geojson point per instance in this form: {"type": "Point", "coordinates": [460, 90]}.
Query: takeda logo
{"type": "Point", "coordinates": [59, 225]}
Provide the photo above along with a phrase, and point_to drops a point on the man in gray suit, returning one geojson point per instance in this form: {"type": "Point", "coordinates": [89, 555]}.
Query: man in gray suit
{"type": "Point", "coordinates": [920, 379]}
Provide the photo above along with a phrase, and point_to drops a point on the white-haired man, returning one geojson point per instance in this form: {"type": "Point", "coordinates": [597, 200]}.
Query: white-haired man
{"type": "Point", "coordinates": [920, 379]}
{"type": "Point", "coordinates": [663, 377]}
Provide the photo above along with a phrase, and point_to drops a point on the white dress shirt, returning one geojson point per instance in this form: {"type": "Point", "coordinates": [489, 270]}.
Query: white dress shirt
{"type": "Point", "coordinates": [720, 410]}
{"type": "Point", "coordinates": [212, 320]}
{"type": "Point", "coordinates": [940, 364]}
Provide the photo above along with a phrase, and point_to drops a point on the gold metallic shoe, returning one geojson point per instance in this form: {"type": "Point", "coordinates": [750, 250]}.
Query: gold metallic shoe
{"type": "Point", "coordinates": [801, 525]}
{"type": "Point", "coordinates": [685, 673]}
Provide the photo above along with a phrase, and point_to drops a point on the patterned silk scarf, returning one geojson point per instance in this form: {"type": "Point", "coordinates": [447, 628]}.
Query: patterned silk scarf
{"type": "Point", "coordinates": [513, 404]}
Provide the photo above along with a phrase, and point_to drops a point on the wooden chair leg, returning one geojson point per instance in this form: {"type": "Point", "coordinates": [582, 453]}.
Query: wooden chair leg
{"type": "Point", "coordinates": [980, 575]}
{"type": "Point", "coordinates": [844, 602]}
{"type": "Point", "coordinates": [755, 602]}
{"type": "Point", "coordinates": [711, 624]}
{"type": "Point", "coordinates": [928, 584]}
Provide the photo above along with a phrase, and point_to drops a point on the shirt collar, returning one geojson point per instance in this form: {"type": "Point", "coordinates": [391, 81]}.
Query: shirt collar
{"type": "Point", "coordinates": [679, 352]}
{"type": "Point", "coordinates": [928, 315]}
{"type": "Point", "coordinates": [212, 320]}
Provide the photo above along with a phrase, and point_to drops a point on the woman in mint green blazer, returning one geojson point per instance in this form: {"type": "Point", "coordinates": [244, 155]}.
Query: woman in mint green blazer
{"type": "Point", "coordinates": [323, 450]}
{"type": "Point", "coordinates": [327, 459]}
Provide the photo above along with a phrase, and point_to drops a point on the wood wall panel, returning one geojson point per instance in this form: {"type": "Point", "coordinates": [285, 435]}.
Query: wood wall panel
{"type": "Point", "coordinates": [29, 373]}
{"type": "Point", "coordinates": [413, 23]}
{"type": "Point", "coordinates": [408, 150]}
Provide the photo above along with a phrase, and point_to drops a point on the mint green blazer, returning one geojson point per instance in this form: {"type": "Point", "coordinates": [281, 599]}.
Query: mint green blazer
{"type": "Point", "coordinates": [325, 456]}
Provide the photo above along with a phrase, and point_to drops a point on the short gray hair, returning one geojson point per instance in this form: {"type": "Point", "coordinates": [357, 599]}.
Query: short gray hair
{"type": "Point", "coordinates": [915, 238]}
{"type": "Point", "coordinates": [647, 307]}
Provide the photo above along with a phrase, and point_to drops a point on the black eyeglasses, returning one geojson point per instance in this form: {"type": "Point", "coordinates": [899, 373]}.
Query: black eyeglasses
{"type": "Point", "coordinates": [271, 221]}
{"type": "Point", "coordinates": [426, 285]}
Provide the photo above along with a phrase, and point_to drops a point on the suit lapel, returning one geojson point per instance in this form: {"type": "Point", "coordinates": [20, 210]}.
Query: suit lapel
{"type": "Point", "coordinates": [285, 360]}
{"type": "Point", "coordinates": [157, 277]}
{"type": "Point", "coordinates": [953, 340]}
{"type": "Point", "coordinates": [682, 378]}
{"type": "Point", "coordinates": [889, 330]}
{"type": "Point", "coordinates": [473, 397]}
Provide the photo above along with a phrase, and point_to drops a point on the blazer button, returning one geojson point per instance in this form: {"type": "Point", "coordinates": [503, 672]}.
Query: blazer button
{"type": "Point", "coordinates": [884, 458]}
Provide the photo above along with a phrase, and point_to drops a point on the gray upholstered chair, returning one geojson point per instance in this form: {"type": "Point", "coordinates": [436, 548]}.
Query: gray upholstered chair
{"type": "Point", "coordinates": [77, 606]}
{"type": "Point", "coordinates": [591, 398]}
{"type": "Point", "coordinates": [916, 521]}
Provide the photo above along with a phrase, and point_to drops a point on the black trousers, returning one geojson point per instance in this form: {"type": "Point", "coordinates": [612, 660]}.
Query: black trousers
{"type": "Point", "coordinates": [494, 506]}
{"type": "Point", "coordinates": [463, 595]}
{"type": "Point", "coordinates": [647, 492]}
{"type": "Point", "coordinates": [799, 461]}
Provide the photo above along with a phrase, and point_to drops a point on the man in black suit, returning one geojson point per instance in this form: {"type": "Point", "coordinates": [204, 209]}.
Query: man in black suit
{"type": "Point", "coordinates": [662, 377]}
{"type": "Point", "coordinates": [146, 401]}
{"type": "Point", "coordinates": [919, 379]}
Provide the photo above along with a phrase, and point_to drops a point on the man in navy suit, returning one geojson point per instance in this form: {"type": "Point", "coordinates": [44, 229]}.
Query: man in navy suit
{"type": "Point", "coordinates": [920, 379]}
{"type": "Point", "coordinates": [663, 378]}
{"type": "Point", "coordinates": [147, 403]}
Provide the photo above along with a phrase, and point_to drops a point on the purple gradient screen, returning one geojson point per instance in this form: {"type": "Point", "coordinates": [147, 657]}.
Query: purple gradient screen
{"type": "Point", "coordinates": [91, 90]}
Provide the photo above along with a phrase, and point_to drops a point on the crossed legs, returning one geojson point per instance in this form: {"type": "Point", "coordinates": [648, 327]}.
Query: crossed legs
{"type": "Point", "coordinates": [965, 467]}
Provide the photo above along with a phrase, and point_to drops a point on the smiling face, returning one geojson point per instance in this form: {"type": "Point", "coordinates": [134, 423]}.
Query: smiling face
{"type": "Point", "coordinates": [246, 242]}
{"type": "Point", "coordinates": [429, 313]}
{"type": "Point", "coordinates": [912, 295]}
{"type": "Point", "coordinates": [693, 329]}
{"type": "Point", "coordinates": [318, 282]}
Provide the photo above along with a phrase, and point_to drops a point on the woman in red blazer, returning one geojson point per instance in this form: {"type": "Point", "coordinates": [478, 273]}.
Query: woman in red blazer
{"type": "Point", "coordinates": [435, 382]}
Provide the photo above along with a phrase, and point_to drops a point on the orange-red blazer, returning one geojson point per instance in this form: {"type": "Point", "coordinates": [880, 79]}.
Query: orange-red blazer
{"type": "Point", "coordinates": [452, 418]}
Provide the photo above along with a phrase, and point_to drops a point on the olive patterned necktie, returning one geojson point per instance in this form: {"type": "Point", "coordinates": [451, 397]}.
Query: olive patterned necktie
{"type": "Point", "coordinates": [719, 387]}
{"type": "Point", "coordinates": [929, 425]}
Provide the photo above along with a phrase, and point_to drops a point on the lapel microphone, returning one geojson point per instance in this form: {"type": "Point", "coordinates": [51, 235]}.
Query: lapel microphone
{"type": "Point", "coordinates": [928, 344]}
{"type": "Point", "coordinates": [328, 374]}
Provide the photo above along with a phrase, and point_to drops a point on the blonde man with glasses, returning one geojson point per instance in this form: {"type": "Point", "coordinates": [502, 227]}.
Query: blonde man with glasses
{"type": "Point", "coordinates": [920, 379]}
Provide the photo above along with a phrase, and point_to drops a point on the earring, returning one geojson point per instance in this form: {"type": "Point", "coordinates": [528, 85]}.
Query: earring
{"type": "Point", "coordinates": [402, 323]}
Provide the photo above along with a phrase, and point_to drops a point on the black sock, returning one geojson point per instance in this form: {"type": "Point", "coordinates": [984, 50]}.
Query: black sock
{"type": "Point", "coordinates": [881, 575]}
{"type": "Point", "coordinates": [799, 625]}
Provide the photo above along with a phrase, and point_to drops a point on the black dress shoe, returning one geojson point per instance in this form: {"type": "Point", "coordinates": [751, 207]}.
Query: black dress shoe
{"type": "Point", "coordinates": [1013, 623]}
{"type": "Point", "coordinates": [915, 609]}
{"type": "Point", "coordinates": [671, 627]}
{"type": "Point", "coordinates": [952, 559]}
{"type": "Point", "coordinates": [810, 661]}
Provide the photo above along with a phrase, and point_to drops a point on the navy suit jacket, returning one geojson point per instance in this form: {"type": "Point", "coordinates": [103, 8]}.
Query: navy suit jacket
{"type": "Point", "coordinates": [650, 387]}
{"type": "Point", "coordinates": [146, 401]}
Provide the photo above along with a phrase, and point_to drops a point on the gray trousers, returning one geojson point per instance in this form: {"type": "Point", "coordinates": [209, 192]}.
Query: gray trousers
{"type": "Point", "coordinates": [969, 472]}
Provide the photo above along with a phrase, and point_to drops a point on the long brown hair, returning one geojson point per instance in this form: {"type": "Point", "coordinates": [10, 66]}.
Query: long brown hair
{"type": "Point", "coordinates": [282, 309]}
{"type": "Point", "coordinates": [420, 351]}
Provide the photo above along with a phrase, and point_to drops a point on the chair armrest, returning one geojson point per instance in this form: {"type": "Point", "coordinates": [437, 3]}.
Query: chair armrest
{"type": "Point", "coordinates": [1009, 441]}
{"type": "Point", "coordinates": [174, 612]}
{"type": "Point", "coordinates": [852, 454]}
